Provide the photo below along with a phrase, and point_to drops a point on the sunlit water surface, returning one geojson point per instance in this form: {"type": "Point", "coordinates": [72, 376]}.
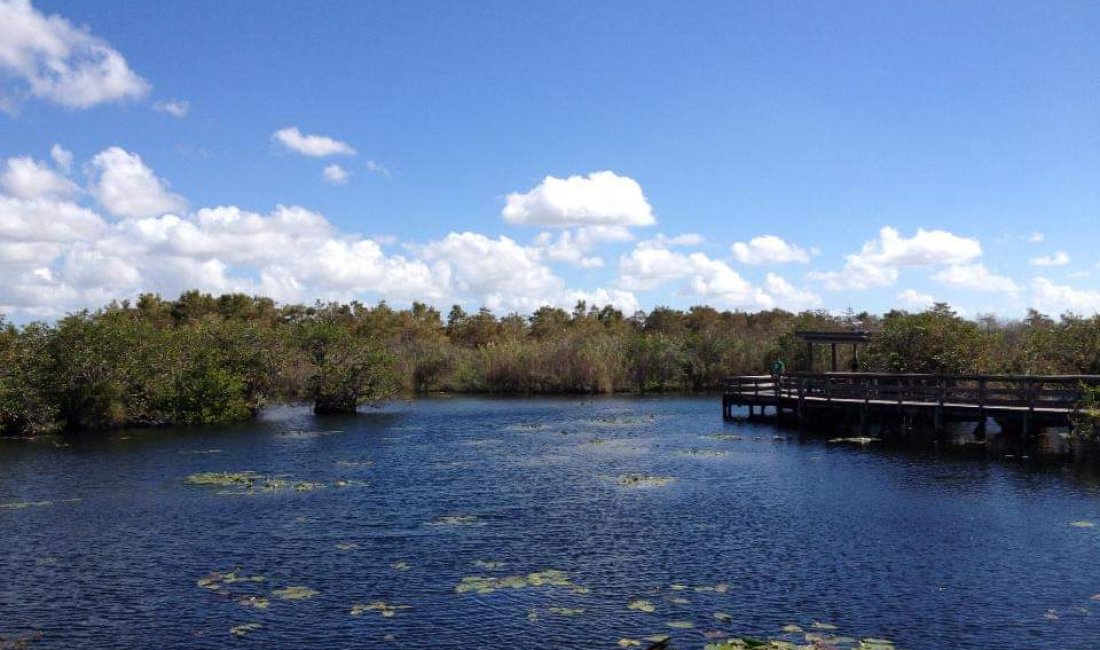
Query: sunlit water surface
{"type": "Point", "coordinates": [928, 551]}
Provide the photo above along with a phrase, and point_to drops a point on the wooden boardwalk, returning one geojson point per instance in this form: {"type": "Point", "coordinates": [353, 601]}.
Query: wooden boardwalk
{"type": "Point", "coordinates": [1026, 401]}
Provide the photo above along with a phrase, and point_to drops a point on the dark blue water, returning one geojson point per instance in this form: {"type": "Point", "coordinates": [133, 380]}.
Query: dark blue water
{"type": "Point", "coordinates": [925, 551]}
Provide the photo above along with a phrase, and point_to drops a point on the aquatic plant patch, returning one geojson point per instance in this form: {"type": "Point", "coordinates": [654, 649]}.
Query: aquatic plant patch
{"type": "Point", "coordinates": [387, 610]}
{"type": "Point", "coordinates": [548, 578]}
{"type": "Point", "coordinates": [294, 593]}
{"type": "Point", "coordinates": [643, 480]}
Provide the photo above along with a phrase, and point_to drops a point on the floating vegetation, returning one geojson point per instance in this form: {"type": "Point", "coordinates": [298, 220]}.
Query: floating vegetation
{"type": "Point", "coordinates": [566, 611]}
{"type": "Point", "coordinates": [722, 436]}
{"type": "Point", "coordinates": [794, 638]}
{"type": "Point", "coordinates": [400, 566]}
{"type": "Point", "coordinates": [347, 483]}
{"type": "Point", "coordinates": [722, 617]}
{"type": "Point", "coordinates": [823, 626]}
{"type": "Point", "coordinates": [547, 578]}
{"type": "Point", "coordinates": [720, 588]}
{"type": "Point", "coordinates": [643, 480]}
{"type": "Point", "coordinates": [223, 479]}
{"type": "Point", "coordinates": [642, 606]}
{"type": "Point", "coordinates": [244, 630]}
{"type": "Point", "coordinates": [628, 643]}
{"type": "Point", "coordinates": [256, 602]}
{"type": "Point", "coordinates": [678, 587]}
{"type": "Point", "coordinates": [23, 505]}
{"type": "Point", "coordinates": [679, 600]}
{"type": "Point", "coordinates": [703, 453]}
{"type": "Point", "coordinates": [216, 580]}
{"type": "Point", "coordinates": [457, 520]}
{"type": "Point", "coordinates": [489, 565]}
{"type": "Point", "coordinates": [681, 625]}
{"type": "Point", "coordinates": [249, 483]}
{"type": "Point", "coordinates": [387, 610]}
{"type": "Point", "coordinates": [294, 593]}
{"type": "Point", "coordinates": [307, 435]}
{"type": "Point", "coordinates": [347, 546]}
{"type": "Point", "coordinates": [26, 504]}
{"type": "Point", "coordinates": [855, 441]}
{"type": "Point", "coordinates": [354, 463]}
{"type": "Point", "coordinates": [1083, 524]}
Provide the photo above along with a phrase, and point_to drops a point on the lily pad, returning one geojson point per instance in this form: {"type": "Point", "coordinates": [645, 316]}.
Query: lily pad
{"type": "Point", "coordinates": [566, 611]}
{"type": "Point", "coordinates": [489, 565]}
{"type": "Point", "coordinates": [245, 629]}
{"type": "Point", "coordinates": [628, 643]}
{"type": "Point", "coordinates": [681, 625]}
{"type": "Point", "coordinates": [347, 546]}
{"type": "Point", "coordinates": [387, 610]}
{"type": "Point", "coordinates": [1083, 524]}
{"type": "Point", "coordinates": [703, 453]}
{"type": "Point", "coordinates": [642, 606]}
{"type": "Point", "coordinates": [294, 593]}
{"type": "Point", "coordinates": [487, 585]}
{"type": "Point", "coordinates": [400, 566]}
{"type": "Point", "coordinates": [723, 617]}
{"type": "Point", "coordinates": [256, 602]}
{"type": "Point", "coordinates": [643, 480]}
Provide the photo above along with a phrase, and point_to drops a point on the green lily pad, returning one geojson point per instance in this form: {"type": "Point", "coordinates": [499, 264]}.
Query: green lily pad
{"type": "Point", "coordinates": [245, 629]}
{"type": "Point", "coordinates": [294, 593]}
{"type": "Point", "coordinates": [487, 585]}
{"type": "Point", "coordinates": [643, 480]}
{"type": "Point", "coordinates": [723, 617]}
{"type": "Point", "coordinates": [401, 566]}
{"type": "Point", "coordinates": [566, 611]}
{"type": "Point", "coordinates": [387, 610]}
{"type": "Point", "coordinates": [626, 642]}
{"type": "Point", "coordinates": [682, 625]}
{"type": "Point", "coordinates": [255, 602]}
{"type": "Point", "coordinates": [347, 546]}
{"type": "Point", "coordinates": [642, 606]}
{"type": "Point", "coordinates": [1083, 524]}
{"type": "Point", "coordinates": [489, 565]}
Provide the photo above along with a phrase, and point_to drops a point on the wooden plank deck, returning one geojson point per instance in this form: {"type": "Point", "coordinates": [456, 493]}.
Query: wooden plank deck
{"type": "Point", "coordinates": [1033, 398]}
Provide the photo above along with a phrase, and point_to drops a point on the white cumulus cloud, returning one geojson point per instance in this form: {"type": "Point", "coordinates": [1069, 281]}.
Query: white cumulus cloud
{"type": "Point", "coordinates": [315, 146]}
{"type": "Point", "coordinates": [1051, 298]}
{"type": "Point", "coordinates": [26, 178]}
{"type": "Point", "coordinates": [335, 174]}
{"type": "Point", "coordinates": [1059, 258]}
{"type": "Point", "coordinates": [768, 249]}
{"type": "Point", "coordinates": [975, 277]}
{"type": "Point", "coordinates": [126, 187]}
{"type": "Point", "coordinates": [61, 63]}
{"type": "Point", "coordinates": [914, 300]}
{"type": "Point", "coordinates": [878, 262]}
{"type": "Point", "coordinates": [599, 199]}
{"type": "Point", "coordinates": [175, 107]}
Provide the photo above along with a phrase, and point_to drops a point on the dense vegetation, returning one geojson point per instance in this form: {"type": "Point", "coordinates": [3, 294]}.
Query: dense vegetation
{"type": "Point", "coordinates": [203, 359]}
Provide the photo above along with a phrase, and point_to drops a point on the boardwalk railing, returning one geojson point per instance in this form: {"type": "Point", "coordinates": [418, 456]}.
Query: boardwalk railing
{"type": "Point", "coordinates": [1060, 393]}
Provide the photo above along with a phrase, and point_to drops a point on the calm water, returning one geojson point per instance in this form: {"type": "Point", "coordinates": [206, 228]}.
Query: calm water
{"type": "Point", "coordinates": [929, 552]}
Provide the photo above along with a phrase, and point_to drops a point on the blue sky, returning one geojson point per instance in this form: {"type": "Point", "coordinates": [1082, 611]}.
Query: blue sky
{"type": "Point", "coordinates": [873, 155]}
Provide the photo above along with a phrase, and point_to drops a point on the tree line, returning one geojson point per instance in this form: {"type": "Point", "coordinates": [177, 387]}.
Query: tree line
{"type": "Point", "coordinates": [204, 359]}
